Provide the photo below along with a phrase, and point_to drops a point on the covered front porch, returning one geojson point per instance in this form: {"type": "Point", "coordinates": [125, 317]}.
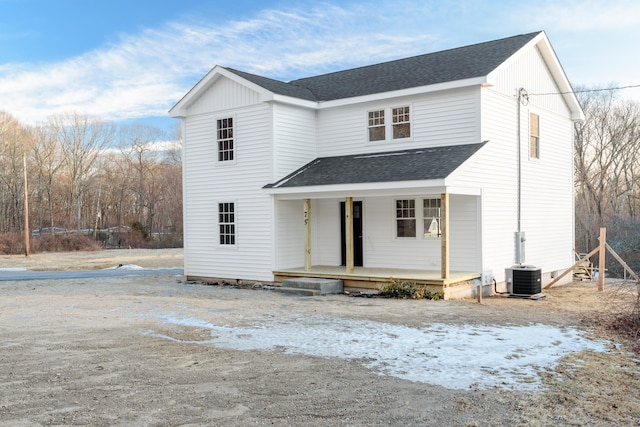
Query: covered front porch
{"type": "Point", "coordinates": [362, 278]}
{"type": "Point", "coordinates": [372, 254]}
{"type": "Point", "coordinates": [368, 219]}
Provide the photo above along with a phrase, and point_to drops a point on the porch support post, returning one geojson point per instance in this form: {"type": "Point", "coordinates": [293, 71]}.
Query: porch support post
{"type": "Point", "coordinates": [444, 238]}
{"type": "Point", "coordinates": [348, 216]}
{"type": "Point", "coordinates": [307, 234]}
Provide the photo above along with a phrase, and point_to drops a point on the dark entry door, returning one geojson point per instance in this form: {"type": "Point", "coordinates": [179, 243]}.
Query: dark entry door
{"type": "Point", "coordinates": [357, 234]}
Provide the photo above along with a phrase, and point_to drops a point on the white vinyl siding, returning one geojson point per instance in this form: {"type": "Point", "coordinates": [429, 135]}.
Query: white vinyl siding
{"type": "Point", "coordinates": [436, 119]}
{"type": "Point", "coordinates": [327, 225]}
{"type": "Point", "coordinates": [464, 233]}
{"type": "Point", "coordinates": [224, 95]}
{"type": "Point", "coordinates": [547, 185]}
{"type": "Point", "coordinates": [494, 170]}
{"type": "Point", "coordinates": [207, 185]}
{"type": "Point", "coordinates": [547, 202]}
{"type": "Point", "coordinates": [529, 71]}
{"type": "Point", "coordinates": [290, 229]}
{"type": "Point", "coordinates": [294, 138]}
{"type": "Point", "coordinates": [384, 249]}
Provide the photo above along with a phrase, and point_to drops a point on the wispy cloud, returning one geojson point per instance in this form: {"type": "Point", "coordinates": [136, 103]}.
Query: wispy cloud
{"type": "Point", "coordinates": [144, 74]}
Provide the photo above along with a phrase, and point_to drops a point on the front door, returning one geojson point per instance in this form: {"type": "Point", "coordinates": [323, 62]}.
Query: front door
{"type": "Point", "coordinates": [357, 234]}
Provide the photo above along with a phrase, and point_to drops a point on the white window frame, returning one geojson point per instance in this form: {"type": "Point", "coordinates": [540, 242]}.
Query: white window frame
{"type": "Point", "coordinates": [227, 223]}
{"type": "Point", "coordinates": [400, 116]}
{"type": "Point", "coordinates": [397, 218]}
{"type": "Point", "coordinates": [376, 121]}
{"type": "Point", "coordinates": [431, 213]}
{"type": "Point", "coordinates": [220, 140]}
{"type": "Point", "coordinates": [388, 117]}
{"type": "Point", "coordinates": [533, 135]}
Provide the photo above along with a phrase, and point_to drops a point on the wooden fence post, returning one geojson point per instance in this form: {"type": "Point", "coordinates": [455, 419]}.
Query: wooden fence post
{"type": "Point", "coordinates": [601, 261]}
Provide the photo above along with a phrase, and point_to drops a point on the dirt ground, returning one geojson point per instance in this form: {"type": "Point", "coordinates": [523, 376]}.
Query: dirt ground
{"type": "Point", "coordinates": [94, 352]}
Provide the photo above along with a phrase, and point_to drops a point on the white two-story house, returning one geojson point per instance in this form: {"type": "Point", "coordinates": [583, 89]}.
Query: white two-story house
{"type": "Point", "coordinates": [445, 169]}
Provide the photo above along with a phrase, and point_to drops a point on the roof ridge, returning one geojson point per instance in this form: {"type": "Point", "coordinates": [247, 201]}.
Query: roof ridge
{"type": "Point", "coordinates": [418, 56]}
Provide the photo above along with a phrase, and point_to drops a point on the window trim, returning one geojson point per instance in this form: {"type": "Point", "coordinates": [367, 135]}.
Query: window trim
{"type": "Point", "coordinates": [394, 124]}
{"type": "Point", "coordinates": [233, 223]}
{"type": "Point", "coordinates": [389, 125]}
{"type": "Point", "coordinates": [419, 217]}
{"type": "Point", "coordinates": [437, 217]}
{"type": "Point", "coordinates": [397, 218]}
{"type": "Point", "coordinates": [534, 135]}
{"type": "Point", "coordinates": [379, 118]}
{"type": "Point", "coordinates": [233, 139]}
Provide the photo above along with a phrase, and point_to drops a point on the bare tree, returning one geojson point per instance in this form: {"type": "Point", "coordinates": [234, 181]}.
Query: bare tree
{"type": "Point", "coordinates": [15, 142]}
{"type": "Point", "coordinates": [607, 163]}
{"type": "Point", "coordinates": [48, 161]}
{"type": "Point", "coordinates": [139, 147]}
{"type": "Point", "coordinates": [82, 139]}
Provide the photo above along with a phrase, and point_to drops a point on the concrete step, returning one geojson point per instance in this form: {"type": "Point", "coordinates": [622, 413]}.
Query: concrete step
{"type": "Point", "coordinates": [298, 291]}
{"type": "Point", "coordinates": [314, 284]}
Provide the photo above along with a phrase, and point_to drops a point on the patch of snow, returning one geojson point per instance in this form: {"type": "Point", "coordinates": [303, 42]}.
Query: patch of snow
{"type": "Point", "coordinates": [13, 269]}
{"type": "Point", "coordinates": [452, 356]}
{"type": "Point", "coordinates": [125, 267]}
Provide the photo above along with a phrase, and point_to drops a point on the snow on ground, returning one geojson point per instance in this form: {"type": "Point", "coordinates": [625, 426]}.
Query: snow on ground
{"type": "Point", "coordinates": [13, 269]}
{"type": "Point", "coordinates": [125, 267]}
{"type": "Point", "coordinates": [452, 356]}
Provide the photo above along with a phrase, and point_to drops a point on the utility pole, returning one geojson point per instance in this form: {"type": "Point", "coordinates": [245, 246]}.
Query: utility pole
{"type": "Point", "coordinates": [27, 249]}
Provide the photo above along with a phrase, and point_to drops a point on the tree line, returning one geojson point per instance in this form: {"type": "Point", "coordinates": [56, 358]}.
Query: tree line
{"type": "Point", "coordinates": [607, 174]}
{"type": "Point", "coordinates": [88, 174]}
{"type": "Point", "coordinates": [117, 184]}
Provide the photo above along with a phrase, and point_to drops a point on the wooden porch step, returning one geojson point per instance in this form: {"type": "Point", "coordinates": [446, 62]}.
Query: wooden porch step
{"type": "Point", "coordinates": [311, 286]}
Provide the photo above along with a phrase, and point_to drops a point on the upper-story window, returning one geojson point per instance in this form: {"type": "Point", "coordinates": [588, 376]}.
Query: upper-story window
{"type": "Point", "coordinates": [397, 128]}
{"type": "Point", "coordinates": [376, 125]}
{"type": "Point", "coordinates": [534, 136]}
{"type": "Point", "coordinates": [401, 123]}
{"type": "Point", "coordinates": [225, 139]}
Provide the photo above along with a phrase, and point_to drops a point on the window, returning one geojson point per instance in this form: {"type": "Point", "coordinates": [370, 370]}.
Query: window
{"type": "Point", "coordinates": [406, 218]}
{"type": "Point", "coordinates": [379, 128]}
{"type": "Point", "coordinates": [227, 223]}
{"type": "Point", "coordinates": [225, 139]}
{"type": "Point", "coordinates": [431, 217]}
{"type": "Point", "coordinates": [534, 136]}
{"type": "Point", "coordinates": [376, 125]}
{"type": "Point", "coordinates": [401, 125]}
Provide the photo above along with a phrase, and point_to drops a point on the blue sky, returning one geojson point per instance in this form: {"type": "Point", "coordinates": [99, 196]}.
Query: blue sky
{"type": "Point", "coordinates": [132, 60]}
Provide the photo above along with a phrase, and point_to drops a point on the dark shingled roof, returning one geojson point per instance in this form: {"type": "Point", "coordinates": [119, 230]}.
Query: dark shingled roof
{"type": "Point", "coordinates": [404, 165]}
{"type": "Point", "coordinates": [276, 86]}
{"type": "Point", "coordinates": [448, 65]}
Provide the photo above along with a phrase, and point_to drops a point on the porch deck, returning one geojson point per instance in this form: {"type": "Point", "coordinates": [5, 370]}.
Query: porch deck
{"type": "Point", "coordinates": [372, 278]}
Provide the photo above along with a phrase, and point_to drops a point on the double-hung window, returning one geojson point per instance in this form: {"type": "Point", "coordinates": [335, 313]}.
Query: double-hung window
{"type": "Point", "coordinates": [406, 218]}
{"type": "Point", "coordinates": [380, 129]}
{"type": "Point", "coordinates": [376, 125]}
{"type": "Point", "coordinates": [224, 139]}
{"type": "Point", "coordinates": [401, 123]}
{"type": "Point", "coordinates": [534, 136]}
{"type": "Point", "coordinates": [227, 223]}
{"type": "Point", "coordinates": [431, 217]}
